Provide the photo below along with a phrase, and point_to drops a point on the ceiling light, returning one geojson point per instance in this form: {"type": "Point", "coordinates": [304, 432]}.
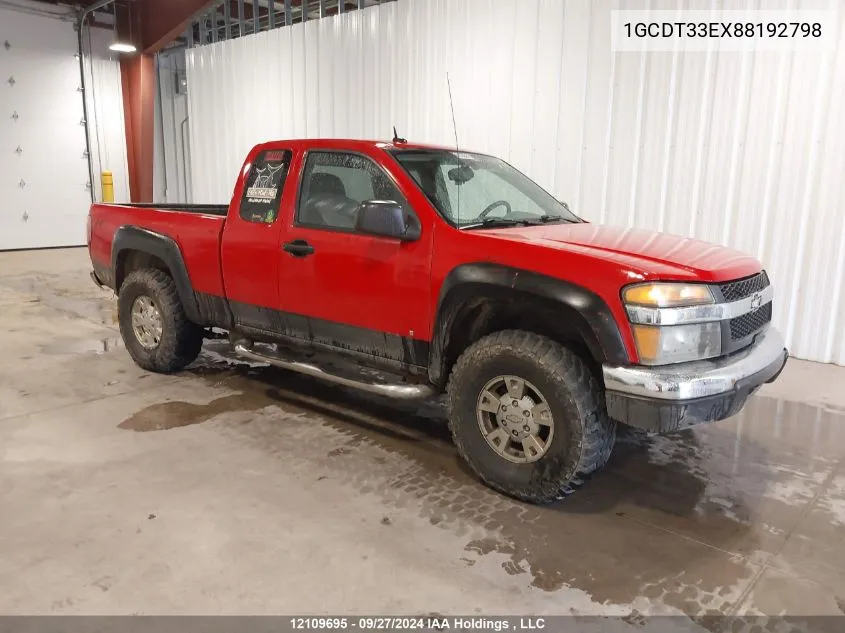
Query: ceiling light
{"type": "Point", "coordinates": [122, 47]}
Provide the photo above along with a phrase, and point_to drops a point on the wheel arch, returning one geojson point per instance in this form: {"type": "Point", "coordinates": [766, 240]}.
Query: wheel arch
{"type": "Point", "coordinates": [134, 248]}
{"type": "Point", "coordinates": [478, 299]}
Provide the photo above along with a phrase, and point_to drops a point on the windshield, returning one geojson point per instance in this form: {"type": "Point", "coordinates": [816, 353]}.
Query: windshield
{"type": "Point", "coordinates": [474, 190]}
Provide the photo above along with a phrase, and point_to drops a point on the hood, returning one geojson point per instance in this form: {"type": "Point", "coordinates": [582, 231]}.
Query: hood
{"type": "Point", "coordinates": [649, 253]}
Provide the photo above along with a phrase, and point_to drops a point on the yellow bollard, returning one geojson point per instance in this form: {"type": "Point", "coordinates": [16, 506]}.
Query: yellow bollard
{"type": "Point", "coordinates": [108, 186]}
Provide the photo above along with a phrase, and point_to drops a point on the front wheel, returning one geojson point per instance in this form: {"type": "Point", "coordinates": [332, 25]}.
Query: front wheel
{"type": "Point", "coordinates": [527, 415]}
{"type": "Point", "coordinates": [155, 330]}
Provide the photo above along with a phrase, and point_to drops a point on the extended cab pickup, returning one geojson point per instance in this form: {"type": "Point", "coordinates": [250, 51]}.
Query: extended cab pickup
{"type": "Point", "coordinates": [408, 270]}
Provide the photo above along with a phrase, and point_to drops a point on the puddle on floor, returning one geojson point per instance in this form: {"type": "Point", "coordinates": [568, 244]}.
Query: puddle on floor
{"type": "Point", "coordinates": [177, 414]}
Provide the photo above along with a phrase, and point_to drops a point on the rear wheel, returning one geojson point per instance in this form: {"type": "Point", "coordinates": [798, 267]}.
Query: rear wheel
{"type": "Point", "coordinates": [528, 415]}
{"type": "Point", "coordinates": [155, 330]}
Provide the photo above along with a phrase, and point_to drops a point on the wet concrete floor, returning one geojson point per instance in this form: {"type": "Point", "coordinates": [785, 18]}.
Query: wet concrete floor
{"type": "Point", "coordinates": [237, 488]}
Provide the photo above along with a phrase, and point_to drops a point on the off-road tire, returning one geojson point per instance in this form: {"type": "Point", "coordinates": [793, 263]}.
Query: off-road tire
{"type": "Point", "coordinates": [583, 434]}
{"type": "Point", "coordinates": [181, 340]}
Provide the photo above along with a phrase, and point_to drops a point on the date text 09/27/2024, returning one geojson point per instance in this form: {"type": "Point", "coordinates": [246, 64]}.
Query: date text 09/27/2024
{"type": "Point", "coordinates": [422, 623]}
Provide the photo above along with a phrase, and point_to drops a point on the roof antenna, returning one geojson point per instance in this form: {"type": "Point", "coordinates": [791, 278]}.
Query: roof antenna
{"type": "Point", "coordinates": [457, 147]}
{"type": "Point", "coordinates": [397, 138]}
{"type": "Point", "coordinates": [452, 106]}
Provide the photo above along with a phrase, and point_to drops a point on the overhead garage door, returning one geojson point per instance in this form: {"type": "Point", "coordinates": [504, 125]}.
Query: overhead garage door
{"type": "Point", "coordinates": [43, 168]}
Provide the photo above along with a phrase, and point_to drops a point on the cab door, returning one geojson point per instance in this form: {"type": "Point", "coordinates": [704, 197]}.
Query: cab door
{"type": "Point", "coordinates": [337, 287]}
{"type": "Point", "coordinates": [250, 242]}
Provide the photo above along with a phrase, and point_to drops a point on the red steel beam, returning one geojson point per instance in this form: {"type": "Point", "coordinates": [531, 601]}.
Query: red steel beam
{"type": "Point", "coordinates": [138, 77]}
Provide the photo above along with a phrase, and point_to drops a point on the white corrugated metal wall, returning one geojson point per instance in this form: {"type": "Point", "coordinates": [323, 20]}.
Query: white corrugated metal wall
{"type": "Point", "coordinates": [743, 149]}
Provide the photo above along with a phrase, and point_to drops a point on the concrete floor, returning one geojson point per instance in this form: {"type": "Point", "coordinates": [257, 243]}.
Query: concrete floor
{"type": "Point", "coordinates": [238, 489]}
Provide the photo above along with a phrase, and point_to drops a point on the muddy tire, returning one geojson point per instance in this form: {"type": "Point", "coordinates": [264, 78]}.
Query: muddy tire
{"type": "Point", "coordinates": [155, 330]}
{"type": "Point", "coordinates": [511, 386]}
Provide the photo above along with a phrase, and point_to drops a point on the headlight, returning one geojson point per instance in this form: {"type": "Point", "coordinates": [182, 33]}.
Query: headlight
{"type": "Point", "coordinates": [650, 305]}
{"type": "Point", "coordinates": [662, 295]}
{"type": "Point", "coordinates": [677, 343]}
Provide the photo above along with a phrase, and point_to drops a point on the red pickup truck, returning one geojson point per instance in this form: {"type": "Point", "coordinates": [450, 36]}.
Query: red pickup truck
{"type": "Point", "coordinates": [408, 270]}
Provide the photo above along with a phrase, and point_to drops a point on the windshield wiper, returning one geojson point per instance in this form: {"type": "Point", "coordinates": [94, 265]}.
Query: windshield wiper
{"type": "Point", "coordinates": [494, 222]}
{"type": "Point", "coordinates": [548, 219]}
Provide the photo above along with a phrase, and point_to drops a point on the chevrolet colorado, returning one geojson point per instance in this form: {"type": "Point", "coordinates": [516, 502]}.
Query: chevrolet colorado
{"type": "Point", "coordinates": [409, 270]}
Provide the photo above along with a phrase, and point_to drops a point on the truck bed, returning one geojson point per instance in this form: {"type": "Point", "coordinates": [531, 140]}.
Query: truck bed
{"type": "Point", "coordinates": [203, 209]}
{"type": "Point", "coordinates": [196, 229]}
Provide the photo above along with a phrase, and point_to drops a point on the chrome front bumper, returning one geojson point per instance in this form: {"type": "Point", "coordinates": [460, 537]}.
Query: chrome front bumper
{"type": "Point", "coordinates": [672, 397]}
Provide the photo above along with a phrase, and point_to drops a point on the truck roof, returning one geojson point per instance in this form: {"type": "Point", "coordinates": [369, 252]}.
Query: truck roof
{"type": "Point", "coordinates": [348, 143]}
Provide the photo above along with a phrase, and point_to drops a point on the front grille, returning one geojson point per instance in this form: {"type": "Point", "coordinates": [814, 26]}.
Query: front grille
{"type": "Point", "coordinates": [736, 290]}
{"type": "Point", "coordinates": [747, 324]}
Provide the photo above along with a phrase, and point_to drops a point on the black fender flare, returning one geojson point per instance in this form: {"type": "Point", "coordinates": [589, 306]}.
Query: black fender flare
{"type": "Point", "coordinates": [133, 238]}
{"type": "Point", "coordinates": [594, 322]}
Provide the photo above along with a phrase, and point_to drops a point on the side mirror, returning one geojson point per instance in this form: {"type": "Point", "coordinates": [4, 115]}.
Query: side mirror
{"type": "Point", "coordinates": [386, 218]}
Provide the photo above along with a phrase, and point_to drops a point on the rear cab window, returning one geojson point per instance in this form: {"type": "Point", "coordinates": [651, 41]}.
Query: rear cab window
{"type": "Point", "coordinates": [265, 183]}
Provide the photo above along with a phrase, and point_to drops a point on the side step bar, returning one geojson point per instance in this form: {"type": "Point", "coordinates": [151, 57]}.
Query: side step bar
{"type": "Point", "coordinates": [396, 390]}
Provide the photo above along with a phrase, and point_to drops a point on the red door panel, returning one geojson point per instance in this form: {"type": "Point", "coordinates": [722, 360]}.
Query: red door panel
{"type": "Point", "coordinates": [363, 292]}
{"type": "Point", "coordinates": [367, 282]}
{"type": "Point", "coordinates": [250, 244]}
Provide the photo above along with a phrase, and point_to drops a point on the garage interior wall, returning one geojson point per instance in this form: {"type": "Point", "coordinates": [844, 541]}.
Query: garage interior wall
{"type": "Point", "coordinates": [171, 175]}
{"type": "Point", "coordinates": [43, 166]}
{"type": "Point", "coordinates": [742, 149]}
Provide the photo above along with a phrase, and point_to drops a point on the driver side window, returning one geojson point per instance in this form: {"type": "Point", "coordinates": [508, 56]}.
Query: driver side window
{"type": "Point", "coordinates": [333, 186]}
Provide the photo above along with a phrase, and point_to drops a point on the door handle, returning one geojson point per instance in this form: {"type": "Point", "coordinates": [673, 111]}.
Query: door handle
{"type": "Point", "coordinates": [298, 248]}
